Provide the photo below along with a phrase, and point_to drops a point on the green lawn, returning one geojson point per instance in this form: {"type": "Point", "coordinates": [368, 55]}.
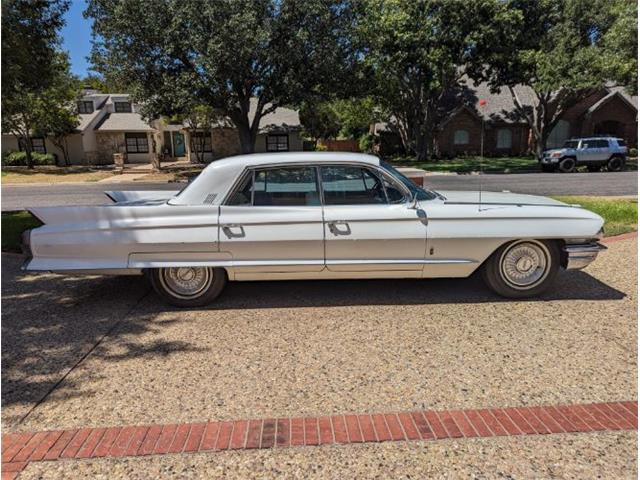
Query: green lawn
{"type": "Point", "coordinates": [13, 224]}
{"type": "Point", "coordinates": [487, 165]}
{"type": "Point", "coordinates": [620, 214]}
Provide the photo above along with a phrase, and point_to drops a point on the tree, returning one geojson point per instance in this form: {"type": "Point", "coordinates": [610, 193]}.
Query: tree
{"type": "Point", "coordinates": [556, 50]}
{"type": "Point", "coordinates": [56, 115]}
{"type": "Point", "coordinates": [417, 52]}
{"type": "Point", "coordinates": [245, 57]}
{"type": "Point", "coordinates": [31, 62]}
{"type": "Point", "coordinates": [620, 45]}
{"type": "Point", "coordinates": [201, 119]}
{"type": "Point", "coordinates": [319, 120]}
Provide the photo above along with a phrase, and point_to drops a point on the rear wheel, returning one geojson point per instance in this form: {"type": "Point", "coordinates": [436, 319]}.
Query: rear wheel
{"type": "Point", "coordinates": [615, 164]}
{"type": "Point", "coordinates": [524, 268]}
{"type": "Point", "coordinates": [188, 286]}
{"type": "Point", "coordinates": [567, 165]}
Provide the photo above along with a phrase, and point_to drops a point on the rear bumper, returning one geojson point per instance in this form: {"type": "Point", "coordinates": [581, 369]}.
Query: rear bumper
{"type": "Point", "coordinates": [581, 255]}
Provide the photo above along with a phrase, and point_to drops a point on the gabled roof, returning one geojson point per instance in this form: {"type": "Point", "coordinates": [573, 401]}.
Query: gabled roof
{"type": "Point", "coordinates": [613, 93]}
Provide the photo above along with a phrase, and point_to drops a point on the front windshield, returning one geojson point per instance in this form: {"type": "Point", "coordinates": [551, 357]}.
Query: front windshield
{"type": "Point", "coordinates": [571, 144]}
{"type": "Point", "coordinates": [419, 193]}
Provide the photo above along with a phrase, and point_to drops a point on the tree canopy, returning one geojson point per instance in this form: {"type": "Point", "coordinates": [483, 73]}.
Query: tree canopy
{"type": "Point", "coordinates": [37, 89]}
{"type": "Point", "coordinates": [243, 57]}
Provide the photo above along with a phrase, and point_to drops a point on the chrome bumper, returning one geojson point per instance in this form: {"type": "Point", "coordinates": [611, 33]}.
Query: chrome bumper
{"type": "Point", "coordinates": [581, 255]}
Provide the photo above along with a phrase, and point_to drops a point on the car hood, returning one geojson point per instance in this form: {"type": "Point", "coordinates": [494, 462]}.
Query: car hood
{"type": "Point", "coordinates": [497, 198]}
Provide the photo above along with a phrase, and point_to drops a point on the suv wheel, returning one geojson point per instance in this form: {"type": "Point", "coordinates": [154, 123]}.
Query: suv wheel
{"type": "Point", "coordinates": [615, 164]}
{"type": "Point", "coordinates": [567, 165]}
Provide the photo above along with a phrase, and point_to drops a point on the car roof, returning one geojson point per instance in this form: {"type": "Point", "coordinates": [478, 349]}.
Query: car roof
{"type": "Point", "coordinates": [295, 157]}
{"type": "Point", "coordinates": [220, 175]}
{"type": "Point", "coordinates": [594, 138]}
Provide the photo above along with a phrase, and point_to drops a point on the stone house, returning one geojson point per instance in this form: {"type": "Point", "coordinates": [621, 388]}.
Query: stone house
{"type": "Point", "coordinates": [609, 111]}
{"type": "Point", "coordinates": [111, 123]}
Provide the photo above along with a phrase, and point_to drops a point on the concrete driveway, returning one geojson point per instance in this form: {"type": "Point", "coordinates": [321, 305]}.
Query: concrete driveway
{"type": "Point", "coordinates": [105, 352]}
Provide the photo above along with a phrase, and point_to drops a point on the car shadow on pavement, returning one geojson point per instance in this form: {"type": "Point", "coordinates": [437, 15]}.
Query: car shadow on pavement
{"type": "Point", "coordinates": [50, 323]}
{"type": "Point", "coordinates": [574, 285]}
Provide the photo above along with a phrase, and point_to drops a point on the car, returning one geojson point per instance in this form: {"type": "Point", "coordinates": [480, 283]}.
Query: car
{"type": "Point", "coordinates": [307, 215]}
{"type": "Point", "coordinates": [592, 152]}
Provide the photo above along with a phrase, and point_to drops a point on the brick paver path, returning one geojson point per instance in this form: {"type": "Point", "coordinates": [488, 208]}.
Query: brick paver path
{"type": "Point", "coordinates": [20, 448]}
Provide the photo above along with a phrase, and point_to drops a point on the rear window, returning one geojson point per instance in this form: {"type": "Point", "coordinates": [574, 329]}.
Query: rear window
{"type": "Point", "coordinates": [295, 186]}
{"type": "Point", "coordinates": [571, 144]}
{"type": "Point", "coordinates": [621, 142]}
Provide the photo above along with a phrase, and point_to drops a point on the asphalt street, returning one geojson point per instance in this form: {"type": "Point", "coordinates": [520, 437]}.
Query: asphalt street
{"type": "Point", "coordinates": [17, 197]}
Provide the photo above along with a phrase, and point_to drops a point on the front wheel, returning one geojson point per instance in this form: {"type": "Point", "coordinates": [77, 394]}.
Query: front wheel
{"type": "Point", "coordinates": [567, 165]}
{"type": "Point", "coordinates": [524, 268]}
{"type": "Point", "coordinates": [188, 286]}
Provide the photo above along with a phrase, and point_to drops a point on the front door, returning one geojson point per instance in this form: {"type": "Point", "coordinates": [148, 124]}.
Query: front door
{"type": "Point", "coordinates": [273, 222]}
{"type": "Point", "coordinates": [178, 144]}
{"type": "Point", "coordinates": [368, 223]}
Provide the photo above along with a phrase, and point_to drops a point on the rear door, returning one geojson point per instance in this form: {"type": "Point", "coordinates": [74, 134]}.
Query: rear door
{"type": "Point", "coordinates": [368, 225]}
{"type": "Point", "coordinates": [273, 221]}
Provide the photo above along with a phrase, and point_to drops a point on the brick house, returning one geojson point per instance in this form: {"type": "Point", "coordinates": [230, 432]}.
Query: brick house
{"type": "Point", "coordinates": [111, 123]}
{"type": "Point", "coordinates": [610, 111]}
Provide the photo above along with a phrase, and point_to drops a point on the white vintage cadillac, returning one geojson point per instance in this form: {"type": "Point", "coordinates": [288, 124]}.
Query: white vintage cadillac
{"type": "Point", "coordinates": [313, 216]}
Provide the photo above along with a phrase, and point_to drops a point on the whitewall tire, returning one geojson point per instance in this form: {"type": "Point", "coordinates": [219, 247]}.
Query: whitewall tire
{"type": "Point", "coordinates": [188, 286]}
{"type": "Point", "coordinates": [523, 268]}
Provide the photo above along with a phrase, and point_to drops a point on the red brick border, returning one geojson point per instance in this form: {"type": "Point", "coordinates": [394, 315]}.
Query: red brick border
{"type": "Point", "coordinates": [18, 449]}
{"type": "Point", "coordinates": [617, 238]}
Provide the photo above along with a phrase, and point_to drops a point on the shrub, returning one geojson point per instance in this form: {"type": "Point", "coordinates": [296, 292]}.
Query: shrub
{"type": "Point", "coordinates": [366, 143]}
{"type": "Point", "coordinates": [321, 147]}
{"type": "Point", "coordinates": [633, 152]}
{"type": "Point", "coordinates": [19, 159]}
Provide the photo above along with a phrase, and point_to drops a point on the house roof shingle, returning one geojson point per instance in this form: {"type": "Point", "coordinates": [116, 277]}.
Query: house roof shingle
{"type": "Point", "coordinates": [121, 122]}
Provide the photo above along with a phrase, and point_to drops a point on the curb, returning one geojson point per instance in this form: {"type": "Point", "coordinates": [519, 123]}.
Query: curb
{"type": "Point", "coordinates": [21, 448]}
{"type": "Point", "coordinates": [618, 238]}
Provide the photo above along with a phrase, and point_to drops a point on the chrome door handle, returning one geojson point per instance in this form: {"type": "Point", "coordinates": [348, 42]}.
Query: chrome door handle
{"type": "Point", "coordinates": [333, 227]}
{"type": "Point", "coordinates": [230, 233]}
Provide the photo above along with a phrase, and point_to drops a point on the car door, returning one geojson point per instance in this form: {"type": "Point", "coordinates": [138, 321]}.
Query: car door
{"type": "Point", "coordinates": [368, 223]}
{"type": "Point", "coordinates": [588, 151]}
{"type": "Point", "coordinates": [272, 222]}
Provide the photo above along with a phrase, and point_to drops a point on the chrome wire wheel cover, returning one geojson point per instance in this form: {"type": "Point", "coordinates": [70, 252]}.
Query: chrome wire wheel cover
{"type": "Point", "coordinates": [525, 264]}
{"type": "Point", "coordinates": [186, 282]}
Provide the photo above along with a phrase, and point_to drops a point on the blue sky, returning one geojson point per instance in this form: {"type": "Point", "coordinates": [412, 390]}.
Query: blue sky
{"type": "Point", "coordinates": [76, 37]}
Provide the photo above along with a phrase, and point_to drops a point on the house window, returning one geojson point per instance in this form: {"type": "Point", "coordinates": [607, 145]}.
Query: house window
{"type": "Point", "coordinates": [278, 143]}
{"type": "Point", "coordinates": [504, 138]}
{"type": "Point", "coordinates": [85, 107]}
{"type": "Point", "coordinates": [201, 142]}
{"type": "Point", "coordinates": [461, 137]}
{"type": "Point", "coordinates": [37, 145]}
{"type": "Point", "coordinates": [122, 107]}
{"type": "Point", "coordinates": [137, 142]}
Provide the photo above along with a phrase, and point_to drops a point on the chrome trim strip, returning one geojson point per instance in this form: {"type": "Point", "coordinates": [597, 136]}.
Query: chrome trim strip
{"type": "Point", "coordinates": [280, 263]}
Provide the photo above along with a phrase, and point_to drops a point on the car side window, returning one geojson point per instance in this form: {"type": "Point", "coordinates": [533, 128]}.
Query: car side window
{"type": "Point", "coordinates": [242, 195]}
{"type": "Point", "coordinates": [350, 185]}
{"type": "Point", "coordinates": [290, 186]}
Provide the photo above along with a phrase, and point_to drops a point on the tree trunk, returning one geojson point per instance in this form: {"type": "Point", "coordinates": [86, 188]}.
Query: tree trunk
{"type": "Point", "coordinates": [28, 148]}
{"type": "Point", "coordinates": [247, 139]}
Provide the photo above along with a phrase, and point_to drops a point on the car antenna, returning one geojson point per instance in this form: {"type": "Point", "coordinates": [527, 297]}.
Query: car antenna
{"type": "Point", "coordinates": [482, 103]}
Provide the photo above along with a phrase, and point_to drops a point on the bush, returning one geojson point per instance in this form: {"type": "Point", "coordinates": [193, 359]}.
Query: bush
{"type": "Point", "coordinates": [633, 152]}
{"type": "Point", "coordinates": [19, 159]}
{"type": "Point", "coordinates": [366, 143]}
{"type": "Point", "coordinates": [321, 148]}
